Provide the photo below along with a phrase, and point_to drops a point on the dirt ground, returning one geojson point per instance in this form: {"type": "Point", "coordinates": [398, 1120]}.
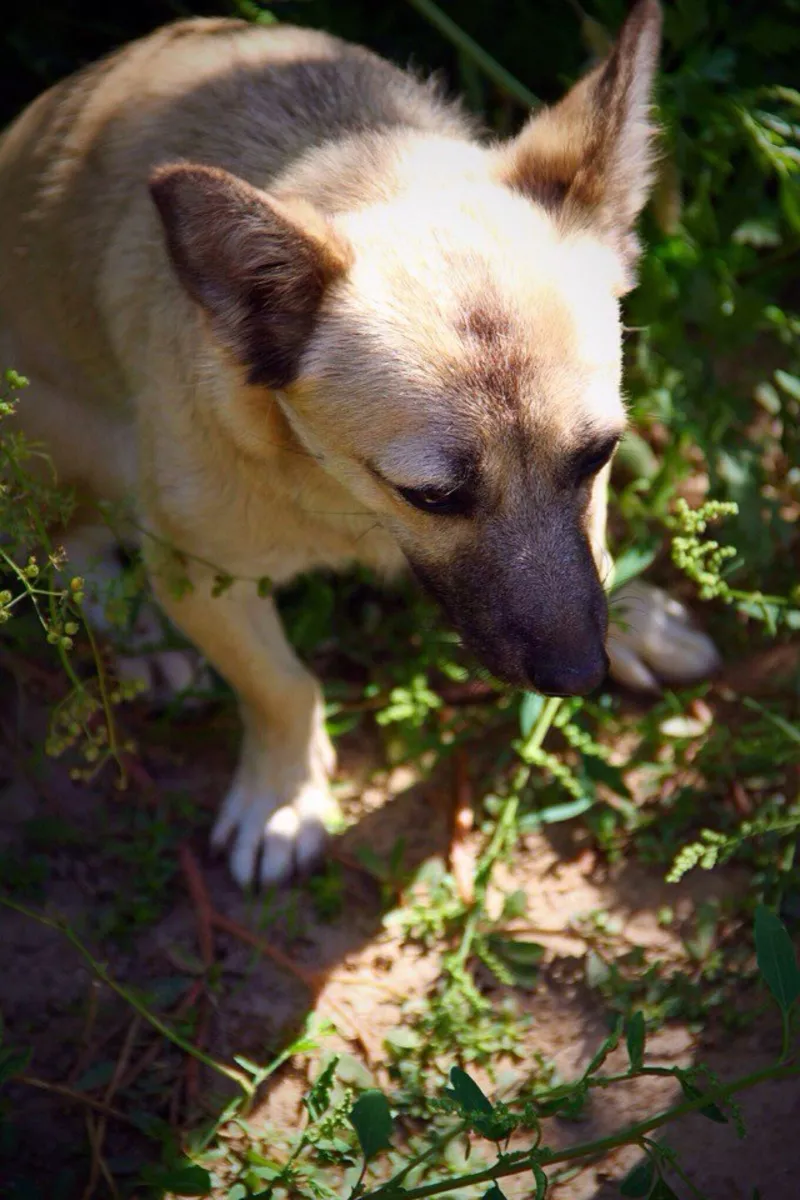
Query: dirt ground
{"type": "Point", "coordinates": [46, 990]}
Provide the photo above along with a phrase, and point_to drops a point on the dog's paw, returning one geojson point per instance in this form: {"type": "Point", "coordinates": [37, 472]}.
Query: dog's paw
{"type": "Point", "coordinates": [653, 642]}
{"type": "Point", "coordinates": [271, 840]}
{"type": "Point", "coordinates": [163, 675]}
{"type": "Point", "coordinates": [166, 675]}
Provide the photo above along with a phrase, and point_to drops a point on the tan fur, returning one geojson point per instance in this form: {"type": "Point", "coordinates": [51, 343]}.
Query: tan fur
{"type": "Point", "coordinates": [347, 294]}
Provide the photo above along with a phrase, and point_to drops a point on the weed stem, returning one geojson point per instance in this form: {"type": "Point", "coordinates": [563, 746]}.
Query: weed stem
{"type": "Point", "coordinates": [468, 46]}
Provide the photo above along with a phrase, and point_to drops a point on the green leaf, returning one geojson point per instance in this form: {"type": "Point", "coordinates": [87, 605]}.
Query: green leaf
{"type": "Point", "coordinates": [247, 1065]}
{"type": "Point", "coordinates": [610, 1043]}
{"type": "Point", "coordinates": [318, 1098]}
{"type": "Point", "coordinates": [639, 1180]}
{"type": "Point", "coordinates": [494, 1193]}
{"type": "Point", "coordinates": [635, 1040]}
{"type": "Point", "coordinates": [600, 771]}
{"type": "Point", "coordinates": [371, 1118]}
{"type": "Point", "coordinates": [565, 812]}
{"type": "Point", "coordinates": [222, 583]}
{"type": "Point", "coordinates": [187, 1180]}
{"type": "Point", "coordinates": [466, 1092]}
{"type": "Point", "coordinates": [517, 952]}
{"type": "Point", "coordinates": [789, 383]}
{"type": "Point", "coordinates": [777, 961]}
{"type": "Point", "coordinates": [529, 712]}
{"type": "Point", "coordinates": [631, 563]}
{"type": "Point", "coordinates": [662, 1191]}
{"type": "Point", "coordinates": [521, 958]}
{"type": "Point", "coordinates": [637, 457]}
{"type": "Point", "coordinates": [515, 905]}
{"type": "Point", "coordinates": [791, 731]}
{"type": "Point", "coordinates": [489, 1122]}
{"type": "Point", "coordinates": [790, 202]}
{"type": "Point", "coordinates": [709, 1110]}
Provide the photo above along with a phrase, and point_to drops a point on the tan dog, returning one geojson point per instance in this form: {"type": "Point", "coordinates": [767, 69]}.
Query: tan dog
{"type": "Point", "coordinates": [335, 328]}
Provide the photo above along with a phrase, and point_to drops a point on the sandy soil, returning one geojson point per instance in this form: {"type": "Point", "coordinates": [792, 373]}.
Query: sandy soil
{"type": "Point", "coordinates": [46, 990]}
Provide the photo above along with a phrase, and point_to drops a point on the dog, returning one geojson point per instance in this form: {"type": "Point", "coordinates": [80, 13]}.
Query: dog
{"type": "Point", "coordinates": [284, 299]}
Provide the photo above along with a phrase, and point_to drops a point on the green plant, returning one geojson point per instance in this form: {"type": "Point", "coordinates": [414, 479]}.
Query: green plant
{"type": "Point", "coordinates": [461, 1111]}
{"type": "Point", "coordinates": [31, 504]}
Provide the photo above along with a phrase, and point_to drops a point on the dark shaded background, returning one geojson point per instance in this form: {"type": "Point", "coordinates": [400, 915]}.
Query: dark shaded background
{"type": "Point", "coordinates": [535, 39]}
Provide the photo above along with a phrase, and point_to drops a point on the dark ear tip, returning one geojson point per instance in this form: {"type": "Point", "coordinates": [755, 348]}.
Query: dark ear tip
{"type": "Point", "coordinates": [167, 181]}
{"type": "Point", "coordinates": [163, 184]}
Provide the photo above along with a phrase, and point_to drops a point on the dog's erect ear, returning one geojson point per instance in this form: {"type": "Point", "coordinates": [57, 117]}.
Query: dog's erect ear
{"type": "Point", "coordinates": [591, 156]}
{"type": "Point", "coordinates": [259, 267]}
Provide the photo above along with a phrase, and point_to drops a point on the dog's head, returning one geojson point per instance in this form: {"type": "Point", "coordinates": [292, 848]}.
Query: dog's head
{"type": "Point", "coordinates": [452, 351]}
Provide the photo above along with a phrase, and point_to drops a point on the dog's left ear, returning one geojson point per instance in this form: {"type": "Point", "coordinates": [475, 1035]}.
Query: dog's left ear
{"type": "Point", "coordinates": [258, 266]}
{"type": "Point", "coordinates": [591, 156]}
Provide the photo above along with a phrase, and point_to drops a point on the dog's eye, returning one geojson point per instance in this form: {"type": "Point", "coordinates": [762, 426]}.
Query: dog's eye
{"type": "Point", "coordinates": [441, 502]}
{"type": "Point", "coordinates": [592, 461]}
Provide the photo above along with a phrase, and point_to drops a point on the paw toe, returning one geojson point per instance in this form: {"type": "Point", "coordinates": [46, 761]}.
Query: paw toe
{"type": "Point", "coordinates": [246, 847]}
{"type": "Point", "coordinates": [272, 842]}
{"type": "Point", "coordinates": [280, 839]}
{"type": "Point", "coordinates": [627, 668]}
{"type": "Point", "coordinates": [655, 640]}
{"type": "Point", "coordinates": [685, 655]}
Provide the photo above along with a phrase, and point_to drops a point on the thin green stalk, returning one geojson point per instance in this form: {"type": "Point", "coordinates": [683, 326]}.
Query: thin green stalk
{"type": "Point", "coordinates": [468, 46]}
{"type": "Point", "coordinates": [436, 1145]}
{"type": "Point", "coordinates": [359, 1183]}
{"type": "Point", "coordinates": [130, 998]}
{"type": "Point", "coordinates": [77, 684]}
{"type": "Point", "coordinates": [186, 555]}
{"type": "Point", "coordinates": [534, 741]}
{"type": "Point", "coordinates": [675, 1166]}
{"type": "Point", "coordinates": [515, 1164]}
{"type": "Point", "coordinates": [786, 1018]}
{"type": "Point", "coordinates": [105, 699]}
{"type": "Point", "coordinates": [607, 1080]}
{"type": "Point", "coordinates": [468, 937]}
{"type": "Point", "coordinates": [542, 726]}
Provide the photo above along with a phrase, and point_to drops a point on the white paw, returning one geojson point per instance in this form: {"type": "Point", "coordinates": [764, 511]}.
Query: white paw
{"type": "Point", "coordinates": [271, 840]}
{"type": "Point", "coordinates": [166, 674]}
{"type": "Point", "coordinates": [163, 675]}
{"type": "Point", "coordinates": [652, 641]}
{"type": "Point", "coordinates": [137, 643]}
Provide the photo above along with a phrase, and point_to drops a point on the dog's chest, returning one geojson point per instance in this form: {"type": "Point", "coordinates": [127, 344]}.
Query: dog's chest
{"type": "Point", "coordinates": [280, 524]}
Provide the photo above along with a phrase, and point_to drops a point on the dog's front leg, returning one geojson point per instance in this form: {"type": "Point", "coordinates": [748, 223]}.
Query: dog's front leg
{"type": "Point", "coordinates": [275, 810]}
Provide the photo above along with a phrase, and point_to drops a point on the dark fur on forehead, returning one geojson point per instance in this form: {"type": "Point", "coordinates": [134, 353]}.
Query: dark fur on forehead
{"type": "Point", "coordinates": [485, 321]}
{"type": "Point", "coordinates": [496, 355]}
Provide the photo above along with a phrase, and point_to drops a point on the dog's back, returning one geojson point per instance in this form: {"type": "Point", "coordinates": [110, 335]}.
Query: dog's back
{"type": "Point", "coordinates": [76, 221]}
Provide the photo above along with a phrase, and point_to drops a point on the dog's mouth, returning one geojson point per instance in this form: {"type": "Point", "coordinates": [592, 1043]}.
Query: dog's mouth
{"type": "Point", "coordinates": [552, 672]}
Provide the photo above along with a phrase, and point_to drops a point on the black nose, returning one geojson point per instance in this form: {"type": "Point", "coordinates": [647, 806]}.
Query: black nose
{"type": "Point", "coordinates": [559, 677]}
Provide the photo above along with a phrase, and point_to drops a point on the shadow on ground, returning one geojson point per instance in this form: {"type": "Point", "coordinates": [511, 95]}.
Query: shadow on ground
{"type": "Point", "coordinates": [107, 864]}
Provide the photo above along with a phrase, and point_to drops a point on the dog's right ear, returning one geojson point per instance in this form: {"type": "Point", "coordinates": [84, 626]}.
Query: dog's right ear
{"type": "Point", "coordinates": [591, 157]}
{"type": "Point", "coordinates": [259, 267]}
